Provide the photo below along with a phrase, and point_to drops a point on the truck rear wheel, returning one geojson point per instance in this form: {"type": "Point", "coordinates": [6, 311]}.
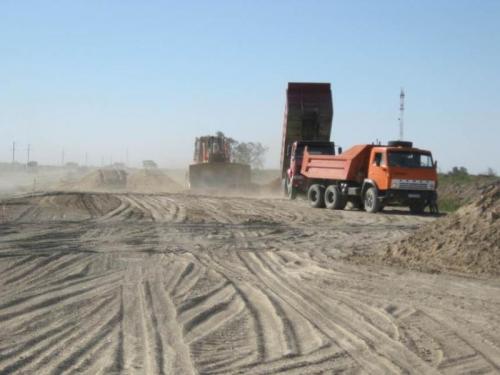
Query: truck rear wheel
{"type": "Point", "coordinates": [316, 196]}
{"type": "Point", "coordinates": [371, 202]}
{"type": "Point", "coordinates": [334, 199]}
{"type": "Point", "coordinates": [417, 207]}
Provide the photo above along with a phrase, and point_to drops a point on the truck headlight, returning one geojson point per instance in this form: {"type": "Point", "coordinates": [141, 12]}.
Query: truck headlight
{"type": "Point", "coordinates": [395, 184]}
{"type": "Point", "coordinates": [431, 185]}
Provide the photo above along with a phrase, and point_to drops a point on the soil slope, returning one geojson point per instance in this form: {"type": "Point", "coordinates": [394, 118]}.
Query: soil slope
{"type": "Point", "coordinates": [151, 181]}
{"type": "Point", "coordinates": [465, 241]}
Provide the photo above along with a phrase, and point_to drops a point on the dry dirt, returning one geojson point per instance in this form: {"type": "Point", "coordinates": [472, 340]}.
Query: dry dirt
{"type": "Point", "coordinates": [465, 241]}
{"type": "Point", "coordinates": [182, 284]}
{"type": "Point", "coordinates": [152, 181]}
{"type": "Point", "coordinates": [135, 180]}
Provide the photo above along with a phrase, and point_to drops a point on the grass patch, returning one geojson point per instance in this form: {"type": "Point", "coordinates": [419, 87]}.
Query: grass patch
{"type": "Point", "coordinates": [456, 190]}
{"type": "Point", "coordinates": [449, 204]}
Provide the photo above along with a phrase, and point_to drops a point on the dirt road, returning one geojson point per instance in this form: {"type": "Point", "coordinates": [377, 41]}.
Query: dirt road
{"type": "Point", "coordinates": [180, 284]}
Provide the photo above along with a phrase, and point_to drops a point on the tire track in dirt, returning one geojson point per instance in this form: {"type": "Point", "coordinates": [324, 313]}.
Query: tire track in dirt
{"type": "Point", "coordinates": [279, 330]}
{"type": "Point", "coordinates": [373, 353]}
{"type": "Point", "coordinates": [452, 354]}
{"type": "Point", "coordinates": [175, 283]}
{"type": "Point", "coordinates": [38, 352]}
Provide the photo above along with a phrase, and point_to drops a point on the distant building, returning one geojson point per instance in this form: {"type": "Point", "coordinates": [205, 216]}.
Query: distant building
{"type": "Point", "coordinates": [149, 164]}
{"type": "Point", "coordinates": [71, 164]}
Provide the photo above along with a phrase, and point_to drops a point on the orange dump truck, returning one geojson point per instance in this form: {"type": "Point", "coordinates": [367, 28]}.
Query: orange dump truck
{"type": "Point", "coordinates": [372, 176]}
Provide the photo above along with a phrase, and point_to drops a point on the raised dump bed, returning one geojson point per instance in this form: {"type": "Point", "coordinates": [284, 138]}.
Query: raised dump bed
{"type": "Point", "coordinates": [308, 116]}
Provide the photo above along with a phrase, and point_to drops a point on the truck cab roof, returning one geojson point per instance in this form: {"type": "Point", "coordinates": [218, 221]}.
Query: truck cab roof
{"type": "Point", "coordinates": [402, 149]}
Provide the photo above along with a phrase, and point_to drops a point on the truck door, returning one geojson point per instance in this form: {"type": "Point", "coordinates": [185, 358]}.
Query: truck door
{"type": "Point", "coordinates": [377, 170]}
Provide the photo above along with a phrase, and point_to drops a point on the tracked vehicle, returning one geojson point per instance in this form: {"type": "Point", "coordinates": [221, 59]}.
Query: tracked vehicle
{"type": "Point", "coordinates": [213, 167]}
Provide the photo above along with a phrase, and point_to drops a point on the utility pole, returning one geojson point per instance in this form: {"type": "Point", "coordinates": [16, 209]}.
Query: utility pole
{"type": "Point", "coordinates": [28, 151]}
{"type": "Point", "coordinates": [126, 156]}
{"type": "Point", "coordinates": [13, 152]}
{"type": "Point", "coordinates": [401, 113]}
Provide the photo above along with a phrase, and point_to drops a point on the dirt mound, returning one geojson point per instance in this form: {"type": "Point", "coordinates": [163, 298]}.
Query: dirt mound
{"type": "Point", "coordinates": [57, 206]}
{"type": "Point", "coordinates": [465, 241]}
{"type": "Point", "coordinates": [102, 179]}
{"type": "Point", "coordinates": [454, 192]}
{"type": "Point", "coordinates": [152, 181]}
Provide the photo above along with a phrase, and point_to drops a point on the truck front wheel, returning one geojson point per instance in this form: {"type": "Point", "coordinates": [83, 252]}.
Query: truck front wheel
{"type": "Point", "coordinates": [372, 203]}
{"type": "Point", "coordinates": [334, 199]}
{"type": "Point", "coordinates": [316, 196]}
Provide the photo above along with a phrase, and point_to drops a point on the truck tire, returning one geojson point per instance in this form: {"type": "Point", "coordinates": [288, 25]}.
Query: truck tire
{"type": "Point", "coordinates": [371, 201]}
{"type": "Point", "coordinates": [417, 207]}
{"type": "Point", "coordinates": [334, 199]}
{"type": "Point", "coordinates": [316, 196]}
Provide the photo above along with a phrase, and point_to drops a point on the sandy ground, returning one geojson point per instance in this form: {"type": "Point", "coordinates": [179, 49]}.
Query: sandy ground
{"type": "Point", "coordinates": [184, 284]}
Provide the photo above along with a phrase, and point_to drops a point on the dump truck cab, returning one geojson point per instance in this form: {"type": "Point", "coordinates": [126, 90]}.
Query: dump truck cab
{"type": "Point", "coordinates": [402, 175]}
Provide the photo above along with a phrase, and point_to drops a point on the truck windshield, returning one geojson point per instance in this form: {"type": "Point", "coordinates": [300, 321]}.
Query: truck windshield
{"type": "Point", "coordinates": [409, 159]}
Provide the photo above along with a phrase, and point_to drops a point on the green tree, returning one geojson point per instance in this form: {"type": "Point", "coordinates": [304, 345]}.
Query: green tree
{"type": "Point", "coordinates": [459, 171]}
{"type": "Point", "coordinates": [252, 153]}
{"type": "Point", "coordinates": [491, 172]}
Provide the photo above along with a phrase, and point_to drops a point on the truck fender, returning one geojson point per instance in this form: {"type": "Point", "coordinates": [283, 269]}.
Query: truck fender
{"type": "Point", "coordinates": [366, 184]}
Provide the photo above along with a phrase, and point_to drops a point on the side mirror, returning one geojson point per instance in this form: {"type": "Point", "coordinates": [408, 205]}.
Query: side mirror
{"type": "Point", "coordinates": [288, 150]}
{"type": "Point", "coordinates": [377, 163]}
{"type": "Point", "coordinates": [435, 164]}
{"type": "Point", "coordinates": [340, 150]}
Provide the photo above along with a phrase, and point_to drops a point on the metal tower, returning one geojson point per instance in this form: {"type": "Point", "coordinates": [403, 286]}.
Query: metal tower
{"type": "Point", "coordinates": [401, 113]}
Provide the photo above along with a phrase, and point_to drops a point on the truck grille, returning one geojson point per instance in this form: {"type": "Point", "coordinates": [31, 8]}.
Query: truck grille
{"type": "Point", "coordinates": [412, 184]}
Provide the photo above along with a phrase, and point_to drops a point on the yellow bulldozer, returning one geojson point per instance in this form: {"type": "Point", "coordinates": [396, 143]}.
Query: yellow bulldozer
{"type": "Point", "coordinates": [213, 167]}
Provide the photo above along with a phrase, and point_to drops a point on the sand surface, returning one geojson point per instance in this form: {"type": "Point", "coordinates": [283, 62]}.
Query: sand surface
{"type": "Point", "coordinates": [103, 283]}
{"type": "Point", "coordinates": [466, 241]}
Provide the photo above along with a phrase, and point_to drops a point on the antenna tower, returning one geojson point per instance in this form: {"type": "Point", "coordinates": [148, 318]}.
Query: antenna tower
{"type": "Point", "coordinates": [401, 113]}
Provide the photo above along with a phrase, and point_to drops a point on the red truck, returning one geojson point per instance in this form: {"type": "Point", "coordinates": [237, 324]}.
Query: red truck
{"type": "Point", "coordinates": [369, 176]}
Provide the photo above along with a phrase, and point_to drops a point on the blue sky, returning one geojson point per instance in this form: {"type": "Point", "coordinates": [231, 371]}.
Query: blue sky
{"type": "Point", "coordinates": [105, 76]}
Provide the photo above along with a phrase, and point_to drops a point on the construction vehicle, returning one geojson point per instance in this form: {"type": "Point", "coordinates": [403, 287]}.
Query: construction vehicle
{"type": "Point", "coordinates": [370, 176]}
{"type": "Point", "coordinates": [213, 167]}
{"type": "Point", "coordinates": [307, 121]}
